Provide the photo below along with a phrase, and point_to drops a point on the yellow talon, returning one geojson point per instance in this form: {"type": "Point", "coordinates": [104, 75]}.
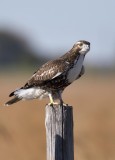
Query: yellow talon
{"type": "Point", "coordinates": [52, 101]}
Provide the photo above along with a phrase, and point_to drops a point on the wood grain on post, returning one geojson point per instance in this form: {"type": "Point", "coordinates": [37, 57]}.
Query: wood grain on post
{"type": "Point", "coordinates": [59, 132]}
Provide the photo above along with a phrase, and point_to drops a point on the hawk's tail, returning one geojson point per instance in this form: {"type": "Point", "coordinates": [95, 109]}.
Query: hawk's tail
{"type": "Point", "coordinates": [26, 94]}
{"type": "Point", "coordinates": [14, 100]}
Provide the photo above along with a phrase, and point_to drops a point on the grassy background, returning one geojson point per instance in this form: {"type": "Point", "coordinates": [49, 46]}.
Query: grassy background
{"type": "Point", "coordinates": [22, 128]}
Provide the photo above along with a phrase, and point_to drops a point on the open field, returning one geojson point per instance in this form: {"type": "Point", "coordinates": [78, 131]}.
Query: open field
{"type": "Point", "coordinates": [22, 129]}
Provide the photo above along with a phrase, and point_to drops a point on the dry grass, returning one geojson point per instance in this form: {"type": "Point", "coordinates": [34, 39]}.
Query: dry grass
{"type": "Point", "coordinates": [22, 129]}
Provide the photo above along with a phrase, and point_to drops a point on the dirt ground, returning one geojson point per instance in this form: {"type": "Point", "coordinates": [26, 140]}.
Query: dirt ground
{"type": "Point", "coordinates": [22, 128]}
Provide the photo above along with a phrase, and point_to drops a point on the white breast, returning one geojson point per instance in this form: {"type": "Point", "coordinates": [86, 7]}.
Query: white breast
{"type": "Point", "coordinates": [75, 71]}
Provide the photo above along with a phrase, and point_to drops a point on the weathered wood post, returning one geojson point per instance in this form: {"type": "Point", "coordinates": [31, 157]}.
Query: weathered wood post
{"type": "Point", "coordinates": [59, 132]}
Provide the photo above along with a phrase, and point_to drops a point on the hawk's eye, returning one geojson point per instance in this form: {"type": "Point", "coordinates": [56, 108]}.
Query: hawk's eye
{"type": "Point", "coordinates": [80, 44]}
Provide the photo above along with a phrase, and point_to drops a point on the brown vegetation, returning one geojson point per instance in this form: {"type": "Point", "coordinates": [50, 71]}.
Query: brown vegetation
{"type": "Point", "coordinates": [22, 129]}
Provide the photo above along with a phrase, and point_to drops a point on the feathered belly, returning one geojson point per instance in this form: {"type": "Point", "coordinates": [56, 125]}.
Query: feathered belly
{"type": "Point", "coordinates": [75, 70]}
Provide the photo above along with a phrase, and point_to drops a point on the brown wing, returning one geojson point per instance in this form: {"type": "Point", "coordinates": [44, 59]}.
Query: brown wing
{"type": "Point", "coordinates": [46, 72]}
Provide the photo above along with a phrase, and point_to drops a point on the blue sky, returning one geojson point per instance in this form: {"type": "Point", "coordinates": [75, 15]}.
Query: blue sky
{"type": "Point", "coordinates": [56, 25]}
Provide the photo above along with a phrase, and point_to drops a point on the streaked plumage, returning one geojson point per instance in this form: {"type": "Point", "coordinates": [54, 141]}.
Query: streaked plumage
{"type": "Point", "coordinates": [54, 76]}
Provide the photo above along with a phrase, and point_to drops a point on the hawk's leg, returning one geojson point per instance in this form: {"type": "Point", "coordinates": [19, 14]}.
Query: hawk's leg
{"type": "Point", "coordinates": [51, 100]}
{"type": "Point", "coordinates": [59, 97]}
{"type": "Point", "coordinates": [61, 100]}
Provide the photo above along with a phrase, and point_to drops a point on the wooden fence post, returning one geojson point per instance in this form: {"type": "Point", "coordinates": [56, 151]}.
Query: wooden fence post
{"type": "Point", "coordinates": [59, 132]}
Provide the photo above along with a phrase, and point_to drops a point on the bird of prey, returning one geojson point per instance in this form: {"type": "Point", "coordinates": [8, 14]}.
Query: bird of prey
{"type": "Point", "coordinates": [53, 77]}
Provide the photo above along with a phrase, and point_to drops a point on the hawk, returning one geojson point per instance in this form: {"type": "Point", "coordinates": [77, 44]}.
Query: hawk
{"type": "Point", "coordinates": [53, 77]}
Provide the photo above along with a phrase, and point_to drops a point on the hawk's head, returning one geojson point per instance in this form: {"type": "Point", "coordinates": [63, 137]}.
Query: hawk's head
{"type": "Point", "coordinates": [82, 46]}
